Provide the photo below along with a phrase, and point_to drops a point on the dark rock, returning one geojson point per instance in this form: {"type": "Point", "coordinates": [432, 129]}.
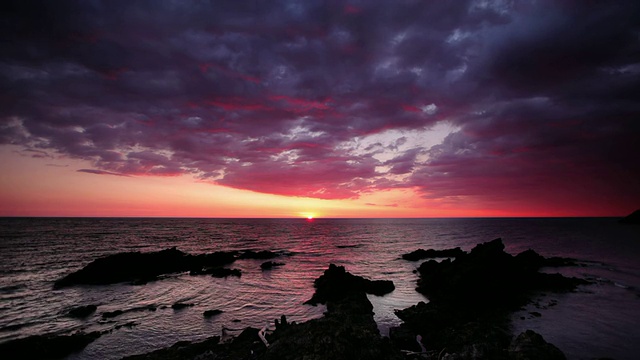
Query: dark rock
{"type": "Point", "coordinates": [210, 313]}
{"type": "Point", "coordinates": [535, 313]}
{"type": "Point", "coordinates": [431, 253]}
{"type": "Point", "coordinates": [223, 273]}
{"type": "Point", "coordinates": [82, 311]}
{"type": "Point", "coordinates": [270, 265]}
{"type": "Point", "coordinates": [137, 267]}
{"type": "Point", "coordinates": [47, 346]}
{"type": "Point", "coordinates": [336, 284]}
{"type": "Point", "coordinates": [633, 218]}
{"type": "Point", "coordinates": [471, 299]}
{"type": "Point", "coordinates": [180, 306]}
{"type": "Point", "coordinates": [530, 345]}
{"type": "Point", "coordinates": [347, 331]}
{"type": "Point", "coordinates": [112, 314]}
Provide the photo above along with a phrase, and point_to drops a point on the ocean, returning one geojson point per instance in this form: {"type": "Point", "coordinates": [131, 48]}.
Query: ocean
{"type": "Point", "coordinates": [598, 320]}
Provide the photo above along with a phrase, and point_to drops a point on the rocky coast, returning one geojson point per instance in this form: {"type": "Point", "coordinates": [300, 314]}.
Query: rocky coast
{"type": "Point", "coordinates": [471, 296]}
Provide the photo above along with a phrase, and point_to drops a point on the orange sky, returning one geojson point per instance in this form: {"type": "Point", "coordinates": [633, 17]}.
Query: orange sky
{"type": "Point", "coordinates": [53, 187]}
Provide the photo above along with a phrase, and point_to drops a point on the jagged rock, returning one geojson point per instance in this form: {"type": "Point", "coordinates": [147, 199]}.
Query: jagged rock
{"type": "Point", "coordinates": [472, 296]}
{"type": "Point", "coordinates": [270, 265]}
{"type": "Point", "coordinates": [530, 345]}
{"type": "Point", "coordinates": [336, 283]}
{"type": "Point", "coordinates": [633, 218]}
{"type": "Point", "coordinates": [347, 331]}
{"type": "Point", "coordinates": [81, 312]}
{"type": "Point", "coordinates": [47, 346]}
{"type": "Point", "coordinates": [211, 313]}
{"type": "Point", "coordinates": [431, 253]}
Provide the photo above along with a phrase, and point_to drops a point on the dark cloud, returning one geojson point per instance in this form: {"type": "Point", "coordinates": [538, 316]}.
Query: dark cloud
{"type": "Point", "coordinates": [277, 96]}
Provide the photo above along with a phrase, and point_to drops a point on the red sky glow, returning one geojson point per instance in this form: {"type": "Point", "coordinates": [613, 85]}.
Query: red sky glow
{"type": "Point", "coordinates": [325, 109]}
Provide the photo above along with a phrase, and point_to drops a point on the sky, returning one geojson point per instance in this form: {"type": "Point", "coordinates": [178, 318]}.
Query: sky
{"type": "Point", "coordinates": [408, 108]}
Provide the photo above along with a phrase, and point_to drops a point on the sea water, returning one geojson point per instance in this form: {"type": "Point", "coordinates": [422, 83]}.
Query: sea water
{"type": "Point", "coordinates": [597, 320]}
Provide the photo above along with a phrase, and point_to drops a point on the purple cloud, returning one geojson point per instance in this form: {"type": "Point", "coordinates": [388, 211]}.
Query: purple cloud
{"type": "Point", "coordinates": [279, 97]}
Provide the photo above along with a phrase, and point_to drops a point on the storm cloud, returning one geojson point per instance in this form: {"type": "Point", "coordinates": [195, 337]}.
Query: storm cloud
{"type": "Point", "coordinates": [335, 99]}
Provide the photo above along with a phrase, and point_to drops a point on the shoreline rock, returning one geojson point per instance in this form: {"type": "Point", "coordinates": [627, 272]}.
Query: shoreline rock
{"type": "Point", "coordinates": [47, 346]}
{"type": "Point", "coordinates": [421, 254]}
{"type": "Point", "coordinates": [472, 297]}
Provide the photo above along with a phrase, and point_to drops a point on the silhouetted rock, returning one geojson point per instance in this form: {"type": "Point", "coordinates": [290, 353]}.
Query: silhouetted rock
{"type": "Point", "coordinates": [46, 346]}
{"type": "Point", "coordinates": [180, 306]}
{"type": "Point", "coordinates": [140, 267]}
{"type": "Point", "coordinates": [347, 331]}
{"type": "Point", "coordinates": [472, 296]}
{"type": "Point", "coordinates": [336, 283]}
{"type": "Point", "coordinates": [633, 218]}
{"type": "Point", "coordinates": [223, 273]}
{"type": "Point", "coordinates": [431, 253]}
{"type": "Point", "coordinates": [270, 265]}
{"type": "Point", "coordinates": [82, 311]}
{"type": "Point", "coordinates": [530, 345]}
{"type": "Point", "coordinates": [210, 313]}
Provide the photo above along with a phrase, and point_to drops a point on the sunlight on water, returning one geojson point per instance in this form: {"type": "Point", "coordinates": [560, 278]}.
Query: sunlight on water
{"type": "Point", "coordinates": [36, 252]}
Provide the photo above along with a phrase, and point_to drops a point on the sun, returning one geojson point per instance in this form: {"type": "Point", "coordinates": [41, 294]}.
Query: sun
{"type": "Point", "coordinates": [308, 215]}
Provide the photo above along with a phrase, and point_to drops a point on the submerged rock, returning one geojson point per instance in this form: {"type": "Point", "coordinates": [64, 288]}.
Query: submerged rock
{"type": "Point", "coordinates": [211, 313]}
{"type": "Point", "coordinates": [223, 272]}
{"type": "Point", "coordinates": [81, 312]}
{"type": "Point", "coordinates": [112, 314]}
{"type": "Point", "coordinates": [270, 265]}
{"type": "Point", "coordinates": [180, 306]}
{"type": "Point", "coordinates": [47, 346]}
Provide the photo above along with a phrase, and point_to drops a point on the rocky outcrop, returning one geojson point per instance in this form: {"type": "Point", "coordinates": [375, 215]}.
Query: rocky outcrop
{"type": "Point", "coordinates": [142, 267]}
{"type": "Point", "coordinates": [347, 331]}
{"type": "Point", "coordinates": [47, 346]}
{"type": "Point", "coordinates": [633, 218]}
{"type": "Point", "coordinates": [421, 254]}
{"type": "Point", "coordinates": [336, 283]}
{"type": "Point", "coordinates": [472, 296]}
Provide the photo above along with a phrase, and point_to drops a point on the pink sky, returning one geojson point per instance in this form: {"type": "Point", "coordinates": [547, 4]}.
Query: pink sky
{"type": "Point", "coordinates": [420, 109]}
